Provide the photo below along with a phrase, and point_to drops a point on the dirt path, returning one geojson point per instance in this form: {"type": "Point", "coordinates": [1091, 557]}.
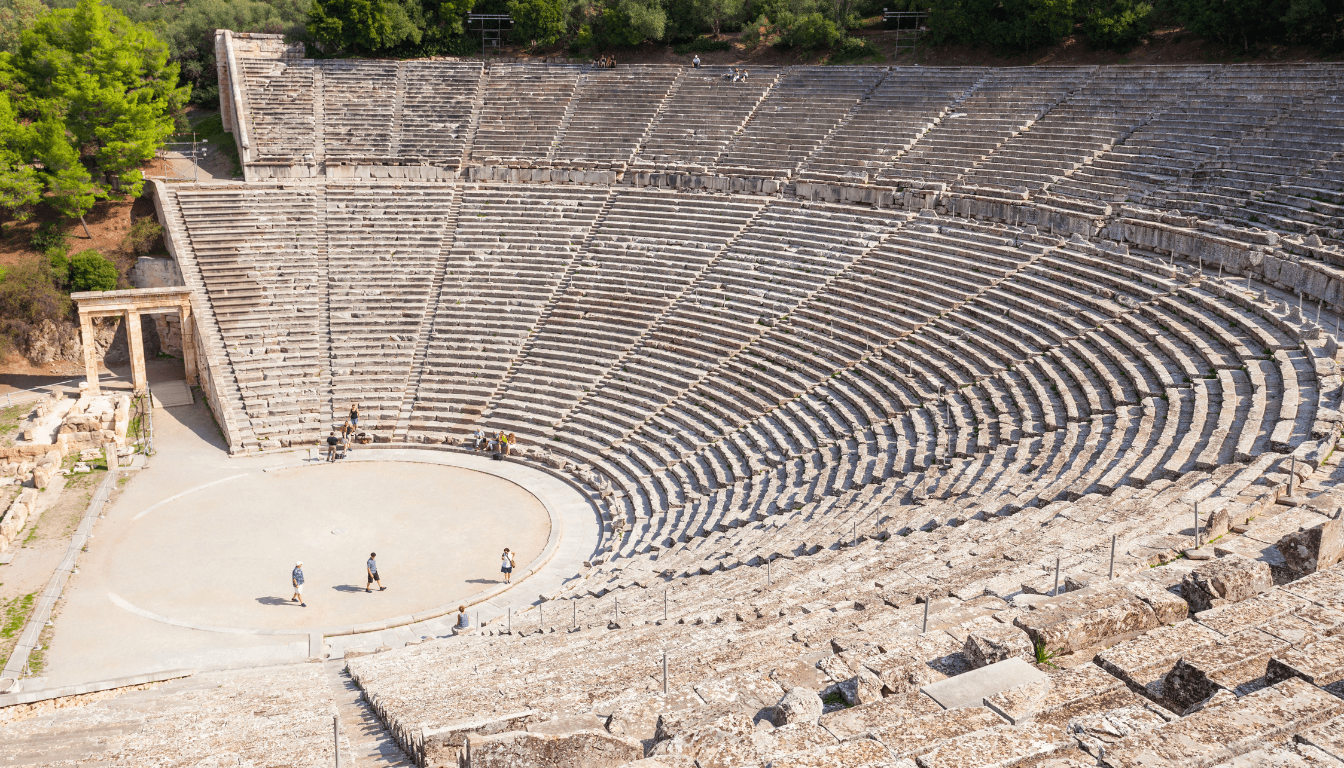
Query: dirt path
{"type": "Point", "coordinates": [38, 550]}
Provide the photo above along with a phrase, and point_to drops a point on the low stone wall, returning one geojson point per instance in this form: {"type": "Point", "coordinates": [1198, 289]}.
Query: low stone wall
{"type": "Point", "coordinates": [519, 175]}
{"type": "Point", "coordinates": [16, 517]}
{"type": "Point", "coordinates": [742, 185]}
{"type": "Point", "coordinates": [1015, 208]}
{"type": "Point", "coordinates": [1304, 266]}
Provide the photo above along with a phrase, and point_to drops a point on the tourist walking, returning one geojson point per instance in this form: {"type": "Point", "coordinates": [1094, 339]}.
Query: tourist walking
{"type": "Point", "coordinates": [506, 566]}
{"type": "Point", "coordinates": [354, 414]}
{"type": "Point", "coordinates": [332, 442]}
{"type": "Point", "coordinates": [372, 568]}
{"type": "Point", "coordinates": [296, 576]}
{"type": "Point", "coordinates": [347, 436]}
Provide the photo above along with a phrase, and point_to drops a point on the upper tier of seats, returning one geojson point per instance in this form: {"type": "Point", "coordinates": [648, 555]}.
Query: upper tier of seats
{"type": "Point", "coordinates": [1232, 141]}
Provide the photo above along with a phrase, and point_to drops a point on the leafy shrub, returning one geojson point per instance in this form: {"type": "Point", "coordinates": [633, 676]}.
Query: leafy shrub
{"type": "Point", "coordinates": [542, 21]}
{"type": "Point", "coordinates": [1004, 24]}
{"type": "Point", "coordinates": [28, 295]}
{"type": "Point", "coordinates": [702, 45]}
{"type": "Point", "coordinates": [60, 268]}
{"type": "Point", "coordinates": [51, 238]}
{"type": "Point", "coordinates": [810, 31]}
{"type": "Point", "coordinates": [90, 271]}
{"type": "Point", "coordinates": [851, 48]}
{"type": "Point", "coordinates": [143, 236]}
{"type": "Point", "coordinates": [1117, 24]}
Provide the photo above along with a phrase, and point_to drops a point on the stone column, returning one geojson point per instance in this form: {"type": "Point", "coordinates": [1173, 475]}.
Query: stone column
{"type": "Point", "coordinates": [135, 340]}
{"type": "Point", "coordinates": [186, 321]}
{"type": "Point", "coordinates": [90, 346]}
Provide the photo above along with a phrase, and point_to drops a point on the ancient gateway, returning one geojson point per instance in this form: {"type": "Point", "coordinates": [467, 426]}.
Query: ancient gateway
{"type": "Point", "coordinates": [937, 417]}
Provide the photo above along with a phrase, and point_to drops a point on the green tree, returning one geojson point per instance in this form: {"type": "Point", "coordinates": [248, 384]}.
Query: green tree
{"type": "Point", "coordinates": [364, 27]}
{"type": "Point", "coordinates": [17, 16]}
{"type": "Point", "coordinates": [1315, 20]}
{"type": "Point", "coordinates": [1234, 22]}
{"type": "Point", "coordinates": [90, 271]}
{"type": "Point", "coordinates": [812, 30]}
{"type": "Point", "coordinates": [72, 189]}
{"type": "Point", "coordinates": [189, 29]}
{"type": "Point", "coordinates": [1004, 24]}
{"type": "Point", "coordinates": [621, 23]}
{"type": "Point", "coordinates": [1116, 24]}
{"type": "Point", "coordinates": [20, 187]}
{"type": "Point", "coordinates": [716, 13]}
{"type": "Point", "coordinates": [102, 86]}
{"type": "Point", "coordinates": [542, 21]}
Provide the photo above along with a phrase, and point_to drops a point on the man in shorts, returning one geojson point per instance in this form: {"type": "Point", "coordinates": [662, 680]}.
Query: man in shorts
{"type": "Point", "coordinates": [297, 578]}
{"type": "Point", "coordinates": [372, 568]}
{"type": "Point", "coordinates": [332, 442]}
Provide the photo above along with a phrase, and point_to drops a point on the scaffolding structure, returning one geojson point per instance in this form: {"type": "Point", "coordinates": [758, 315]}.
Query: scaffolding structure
{"type": "Point", "coordinates": [492, 27]}
{"type": "Point", "coordinates": [192, 151]}
{"type": "Point", "coordinates": [909, 27]}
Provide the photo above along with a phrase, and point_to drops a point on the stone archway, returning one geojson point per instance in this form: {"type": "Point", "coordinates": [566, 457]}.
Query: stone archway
{"type": "Point", "coordinates": [130, 304]}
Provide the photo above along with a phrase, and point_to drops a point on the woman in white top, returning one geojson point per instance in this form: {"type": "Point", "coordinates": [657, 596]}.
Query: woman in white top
{"type": "Point", "coordinates": [506, 566]}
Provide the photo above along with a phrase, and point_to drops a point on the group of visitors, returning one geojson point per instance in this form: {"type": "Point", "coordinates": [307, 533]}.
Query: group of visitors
{"type": "Point", "coordinates": [603, 62]}
{"type": "Point", "coordinates": [343, 442]}
{"type": "Point", "coordinates": [499, 443]}
{"type": "Point", "coordinates": [739, 74]}
{"type": "Point", "coordinates": [506, 566]}
{"type": "Point", "coordinates": [370, 570]}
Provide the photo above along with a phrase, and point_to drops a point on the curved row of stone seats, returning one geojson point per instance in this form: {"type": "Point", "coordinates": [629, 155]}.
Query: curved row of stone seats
{"type": "Point", "coordinates": [901, 109]}
{"type": "Point", "coordinates": [1312, 204]}
{"type": "Point", "coordinates": [511, 251]}
{"type": "Point", "coordinates": [839, 615]}
{"type": "Point", "coordinates": [280, 98]}
{"type": "Point", "coordinates": [1235, 101]}
{"type": "Point", "coordinates": [705, 112]}
{"type": "Point", "coordinates": [610, 114]}
{"type": "Point", "coordinates": [438, 98]}
{"type": "Point", "coordinates": [523, 112]}
{"type": "Point", "coordinates": [1152, 525]}
{"type": "Point", "coordinates": [1081, 378]}
{"type": "Point", "coordinates": [1299, 141]}
{"type": "Point", "coordinates": [1002, 105]}
{"type": "Point", "coordinates": [359, 109]}
{"type": "Point", "coordinates": [643, 254]}
{"type": "Point", "coordinates": [788, 253]}
{"type": "Point", "coordinates": [802, 353]}
{"type": "Point", "coordinates": [383, 254]}
{"type": "Point", "coordinates": [260, 716]}
{"type": "Point", "coordinates": [259, 251]}
{"type": "Point", "coordinates": [1091, 121]}
{"type": "Point", "coordinates": [801, 111]}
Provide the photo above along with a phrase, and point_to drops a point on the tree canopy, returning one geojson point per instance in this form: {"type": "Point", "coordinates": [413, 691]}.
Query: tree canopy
{"type": "Point", "coordinates": [89, 97]}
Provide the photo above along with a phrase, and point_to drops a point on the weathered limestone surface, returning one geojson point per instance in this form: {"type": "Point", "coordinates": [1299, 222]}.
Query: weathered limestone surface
{"type": "Point", "coordinates": [1224, 580]}
{"type": "Point", "coordinates": [582, 749]}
